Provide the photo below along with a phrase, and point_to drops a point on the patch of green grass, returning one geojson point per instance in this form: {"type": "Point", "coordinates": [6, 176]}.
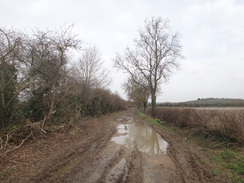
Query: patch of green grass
{"type": "Point", "coordinates": [140, 115]}
{"type": "Point", "coordinates": [216, 172]}
{"type": "Point", "coordinates": [148, 118]}
{"type": "Point", "coordinates": [238, 180]}
{"type": "Point", "coordinates": [216, 158]}
{"type": "Point", "coordinates": [237, 167]}
{"type": "Point", "coordinates": [227, 154]}
{"type": "Point", "coordinates": [231, 161]}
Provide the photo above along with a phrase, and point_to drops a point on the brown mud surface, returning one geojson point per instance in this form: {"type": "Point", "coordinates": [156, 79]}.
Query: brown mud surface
{"type": "Point", "coordinates": [107, 149]}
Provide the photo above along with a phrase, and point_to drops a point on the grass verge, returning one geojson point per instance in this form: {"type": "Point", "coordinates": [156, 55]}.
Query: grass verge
{"type": "Point", "coordinates": [226, 158]}
{"type": "Point", "coordinates": [148, 118]}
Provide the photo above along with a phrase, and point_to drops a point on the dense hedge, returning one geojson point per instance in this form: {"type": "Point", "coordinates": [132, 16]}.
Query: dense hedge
{"type": "Point", "coordinates": [227, 122]}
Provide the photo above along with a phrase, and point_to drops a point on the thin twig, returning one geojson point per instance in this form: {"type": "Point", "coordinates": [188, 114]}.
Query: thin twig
{"type": "Point", "coordinates": [17, 147]}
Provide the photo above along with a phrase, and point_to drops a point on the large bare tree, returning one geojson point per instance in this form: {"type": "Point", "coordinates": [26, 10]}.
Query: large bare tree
{"type": "Point", "coordinates": [154, 58]}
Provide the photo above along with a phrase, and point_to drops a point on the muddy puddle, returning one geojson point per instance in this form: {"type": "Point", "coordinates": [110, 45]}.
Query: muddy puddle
{"type": "Point", "coordinates": [141, 137]}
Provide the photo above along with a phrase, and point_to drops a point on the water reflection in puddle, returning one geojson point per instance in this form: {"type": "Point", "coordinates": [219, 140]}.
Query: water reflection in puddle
{"type": "Point", "coordinates": [144, 138]}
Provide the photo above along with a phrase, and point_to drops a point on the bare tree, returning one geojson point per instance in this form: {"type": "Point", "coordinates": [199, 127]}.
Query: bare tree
{"type": "Point", "coordinates": [91, 68]}
{"type": "Point", "coordinates": [155, 57]}
{"type": "Point", "coordinates": [10, 43]}
{"type": "Point", "coordinates": [138, 94]}
{"type": "Point", "coordinates": [47, 58]}
{"type": "Point", "coordinates": [90, 71]}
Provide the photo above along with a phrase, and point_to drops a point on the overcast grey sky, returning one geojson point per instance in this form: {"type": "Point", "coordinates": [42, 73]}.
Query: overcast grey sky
{"type": "Point", "coordinates": [212, 35]}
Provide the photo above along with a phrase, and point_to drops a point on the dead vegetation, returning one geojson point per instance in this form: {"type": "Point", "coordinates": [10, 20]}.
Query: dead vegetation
{"type": "Point", "coordinates": [226, 122]}
{"type": "Point", "coordinates": [17, 135]}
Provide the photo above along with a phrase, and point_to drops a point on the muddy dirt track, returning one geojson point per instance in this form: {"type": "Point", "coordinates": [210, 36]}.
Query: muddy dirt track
{"type": "Point", "coordinates": [122, 149]}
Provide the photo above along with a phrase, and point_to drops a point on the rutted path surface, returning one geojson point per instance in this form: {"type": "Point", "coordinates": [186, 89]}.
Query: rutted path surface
{"type": "Point", "coordinates": [127, 149]}
{"type": "Point", "coordinates": [135, 153]}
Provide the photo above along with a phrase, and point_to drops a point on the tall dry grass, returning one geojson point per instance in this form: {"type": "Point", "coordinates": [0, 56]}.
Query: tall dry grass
{"type": "Point", "coordinates": [225, 122]}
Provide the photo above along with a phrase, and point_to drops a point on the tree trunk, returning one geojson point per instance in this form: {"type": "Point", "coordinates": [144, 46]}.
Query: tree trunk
{"type": "Point", "coordinates": [144, 106]}
{"type": "Point", "coordinates": [153, 104]}
{"type": "Point", "coordinates": [51, 109]}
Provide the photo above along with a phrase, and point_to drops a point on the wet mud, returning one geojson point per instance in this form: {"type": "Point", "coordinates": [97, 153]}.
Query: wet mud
{"type": "Point", "coordinates": [127, 149]}
{"type": "Point", "coordinates": [135, 153]}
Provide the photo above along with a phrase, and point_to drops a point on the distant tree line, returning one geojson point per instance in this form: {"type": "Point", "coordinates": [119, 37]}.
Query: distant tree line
{"type": "Point", "coordinates": [39, 81]}
{"type": "Point", "coordinates": [207, 102]}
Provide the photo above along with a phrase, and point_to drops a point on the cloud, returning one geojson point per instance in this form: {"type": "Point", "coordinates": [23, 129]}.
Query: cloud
{"type": "Point", "coordinates": [211, 30]}
{"type": "Point", "coordinates": [124, 18]}
{"type": "Point", "coordinates": [39, 8]}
